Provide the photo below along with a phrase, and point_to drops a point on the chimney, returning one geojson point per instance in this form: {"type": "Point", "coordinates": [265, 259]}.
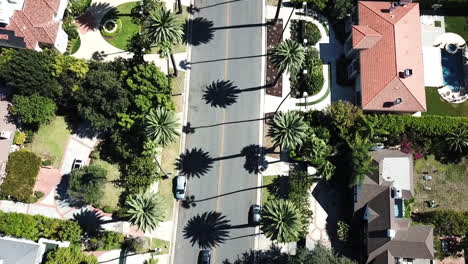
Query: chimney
{"type": "Point", "coordinates": [391, 233]}
{"type": "Point", "coordinates": [393, 6]}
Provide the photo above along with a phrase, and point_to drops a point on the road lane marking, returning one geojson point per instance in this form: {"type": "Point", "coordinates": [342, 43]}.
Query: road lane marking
{"type": "Point", "coordinates": [221, 151]}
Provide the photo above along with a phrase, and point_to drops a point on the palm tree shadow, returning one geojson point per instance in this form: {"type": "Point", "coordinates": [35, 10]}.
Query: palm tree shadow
{"type": "Point", "coordinates": [207, 230]}
{"type": "Point", "coordinates": [95, 13]}
{"type": "Point", "coordinates": [194, 162]}
{"type": "Point", "coordinates": [90, 221]}
{"type": "Point", "coordinates": [221, 93]}
{"type": "Point", "coordinates": [201, 31]}
{"type": "Point", "coordinates": [255, 161]}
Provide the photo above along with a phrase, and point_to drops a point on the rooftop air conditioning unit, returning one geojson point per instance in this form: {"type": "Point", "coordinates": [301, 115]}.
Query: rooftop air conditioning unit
{"type": "Point", "coordinates": [398, 101]}
{"type": "Point", "coordinates": [406, 73]}
{"type": "Point", "coordinates": [391, 233]}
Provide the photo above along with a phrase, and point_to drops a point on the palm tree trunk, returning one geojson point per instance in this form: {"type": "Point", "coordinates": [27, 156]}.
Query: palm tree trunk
{"type": "Point", "coordinates": [179, 7]}
{"type": "Point", "coordinates": [176, 72]}
{"type": "Point", "coordinates": [280, 3]}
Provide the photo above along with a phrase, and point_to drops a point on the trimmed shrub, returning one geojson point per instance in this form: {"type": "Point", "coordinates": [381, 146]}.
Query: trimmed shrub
{"type": "Point", "coordinates": [343, 231]}
{"type": "Point", "coordinates": [312, 82]}
{"type": "Point", "coordinates": [301, 30]}
{"type": "Point", "coordinates": [426, 126]}
{"type": "Point", "coordinates": [78, 7]}
{"type": "Point", "coordinates": [69, 255]}
{"type": "Point", "coordinates": [20, 138]}
{"type": "Point", "coordinates": [22, 170]}
{"type": "Point", "coordinates": [136, 244]}
{"type": "Point", "coordinates": [46, 163]}
{"type": "Point", "coordinates": [106, 240]}
{"type": "Point", "coordinates": [33, 227]}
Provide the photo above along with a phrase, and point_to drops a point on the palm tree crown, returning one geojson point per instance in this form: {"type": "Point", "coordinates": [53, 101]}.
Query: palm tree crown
{"type": "Point", "coordinates": [458, 141]}
{"type": "Point", "coordinates": [161, 126]}
{"type": "Point", "coordinates": [145, 210]}
{"type": "Point", "coordinates": [163, 26]}
{"type": "Point", "coordinates": [288, 130]}
{"type": "Point", "coordinates": [281, 221]}
{"type": "Point", "coordinates": [288, 55]}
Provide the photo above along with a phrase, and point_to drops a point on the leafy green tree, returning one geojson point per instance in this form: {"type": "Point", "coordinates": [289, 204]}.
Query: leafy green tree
{"type": "Point", "coordinates": [102, 97]}
{"type": "Point", "coordinates": [78, 7]}
{"type": "Point", "coordinates": [145, 210]}
{"type": "Point", "coordinates": [344, 116]}
{"type": "Point", "coordinates": [69, 255]}
{"type": "Point", "coordinates": [139, 45]}
{"type": "Point", "coordinates": [281, 221]}
{"type": "Point", "coordinates": [33, 110]}
{"type": "Point", "coordinates": [458, 141]}
{"type": "Point", "coordinates": [143, 10]}
{"type": "Point", "coordinates": [161, 126]}
{"type": "Point", "coordinates": [288, 55]}
{"type": "Point", "coordinates": [149, 89]}
{"type": "Point", "coordinates": [299, 184]}
{"type": "Point", "coordinates": [446, 222]}
{"type": "Point", "coordinates": [139, 175]}
{"type": "Point", "coordinates": [28, 72]}
{"type": "Point", "coordinates": [360, 160]}
{"type": "Point", "coordinates": [87, 184]}
{"type": "Point", "coordinates": [162, 26]}
{"type": "Point", "coordinates": [341, 8]}
{"type": "Point", "coordinates": [318, 5]}
{"type": "Point", "coordinates": [288, 130]}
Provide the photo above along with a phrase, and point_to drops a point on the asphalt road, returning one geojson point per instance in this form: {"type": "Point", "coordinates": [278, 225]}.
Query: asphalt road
{"type": "Point", "coordinates": [222, 184]}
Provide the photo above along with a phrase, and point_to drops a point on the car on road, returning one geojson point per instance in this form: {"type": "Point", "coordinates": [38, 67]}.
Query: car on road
{"type": "Point", "coordinates": [255, 214]}
{"type": "Point", "coordinates": [77, 163]}
{"type": "Point", "coordinates": [204, 257]}
{"type": "Point", "coordinates": [181, 186]}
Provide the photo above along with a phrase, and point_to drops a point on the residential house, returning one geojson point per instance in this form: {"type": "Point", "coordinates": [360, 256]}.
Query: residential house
{"type": "Point", "coordinates": [385, 57]}
{"type": "Point", "coordinates": [388, 236]}
{"type": "Point", "coordinates": [21, 251]}
{"type": "Point", "coordinates": [33, 24]}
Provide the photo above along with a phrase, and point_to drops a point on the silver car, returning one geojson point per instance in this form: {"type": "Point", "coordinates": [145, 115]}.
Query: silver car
{"type": "Point", "coordinates": [181, 186]}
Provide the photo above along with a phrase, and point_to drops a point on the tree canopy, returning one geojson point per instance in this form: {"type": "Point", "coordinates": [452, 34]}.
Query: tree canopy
{"type": "Point", "coordinates": [87, 184]}
{"type": "Point", "coordinates": [33, 110]}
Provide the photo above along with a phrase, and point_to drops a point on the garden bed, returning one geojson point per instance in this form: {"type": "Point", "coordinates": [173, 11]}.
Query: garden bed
{"type": "Point", "coordinates": [273, 38]}
{"type": "Point", "coordinates": [126, 27]}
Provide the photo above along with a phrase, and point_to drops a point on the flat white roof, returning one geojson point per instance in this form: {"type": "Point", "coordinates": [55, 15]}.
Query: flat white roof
{"type": "Point", "coordinates": [397, 170]}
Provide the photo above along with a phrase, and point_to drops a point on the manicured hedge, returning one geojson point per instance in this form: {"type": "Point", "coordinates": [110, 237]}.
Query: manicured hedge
{"type": "Point", "coordinates": [425, 126]}
{"type": "Point", "coordinates": [34, 227]}
{"type": "Point", "coordinates": [22, 170]}
{"type": "Point", "coordinates": [312, 82]}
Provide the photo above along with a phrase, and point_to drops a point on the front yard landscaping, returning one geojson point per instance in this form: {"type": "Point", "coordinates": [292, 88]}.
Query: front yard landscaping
{"type": "Point", "coordinates": [436, 105]}
{"type": "Point", "coordinates": [51, 140]}
{"type": "Point", "coordinates": [126, 27]}
{"type": "Point", "coordinates": [110, 200]}
{"type": "Point", "coordinates": [448, 187]}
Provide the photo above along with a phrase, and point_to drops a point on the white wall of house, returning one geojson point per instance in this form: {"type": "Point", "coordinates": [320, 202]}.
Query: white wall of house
{"type": "Point", "coordinates": [7, 8]}
{"type": "Point", "coordinates": [61, 10]}
{"type": "Point", "coordinates": [61, 41]}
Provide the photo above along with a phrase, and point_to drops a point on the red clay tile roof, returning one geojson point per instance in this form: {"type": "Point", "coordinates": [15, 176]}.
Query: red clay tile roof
{"type": "Point", "coordinates": [383, 58]}
{"type": "Point", "coordinates": [35, 22]}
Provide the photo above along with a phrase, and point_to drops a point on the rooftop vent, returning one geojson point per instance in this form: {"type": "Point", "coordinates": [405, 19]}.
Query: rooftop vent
{"type": "Point", "coordinates": [391, 233]}
{"type": "Point", "coordinates": [405, 2]}
{"type": "Point", "coordinates": [398, 101]}
{"type": "Point", "coordinates": [406, 73]}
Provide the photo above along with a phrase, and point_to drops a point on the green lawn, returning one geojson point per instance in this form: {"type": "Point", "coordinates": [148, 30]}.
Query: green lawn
{"type": "Point", "coordinates": [111, 192]}
{"type": "Point", "coordinates": [162, 244]}
{"type": "Point", "coordinates": [169, 156]}
{"type": "Point", "coordinates": [129, 28]}
{"type": "Point", "coordinates": [448, 187]}
{"type": "Point", "coordinates": [457, 24]}
{"type": "Point", "coordinates": [436, 105]}
{"type": "Point", "coordinates": [267, 180]}
{"type": "Point", "coordinates": [51, 140]}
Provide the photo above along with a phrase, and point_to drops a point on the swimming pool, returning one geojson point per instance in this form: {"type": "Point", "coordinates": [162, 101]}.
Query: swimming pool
{"type": "Point", "coordinates": [452, 70]}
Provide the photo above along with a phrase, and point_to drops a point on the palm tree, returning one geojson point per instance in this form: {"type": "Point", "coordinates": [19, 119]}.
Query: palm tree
{"type": "Point", "coordinates": [288, 55]}
{"type": "Point", "coordinates": [162, 126]}
{"type": "Point", "coordinates": [278, 7]}
{"type": "Point", "coordinates": [281, 221]}
{"type": "Point", "coordinates": [145, 210]}
{"type": "Point", "coordinates": [458, 141]}
{"type": "Point", "coordinates": [361, 161]}
{"type": "Point", "coordinates": [288, 130]}
{"type": "Point", "coordinates": [163, 26]}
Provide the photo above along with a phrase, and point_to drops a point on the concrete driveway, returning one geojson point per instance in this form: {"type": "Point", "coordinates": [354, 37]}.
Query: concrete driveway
{"type": "Point", "coordinates": [78, 148]}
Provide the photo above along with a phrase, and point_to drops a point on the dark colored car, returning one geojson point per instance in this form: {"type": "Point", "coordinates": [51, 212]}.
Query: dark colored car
{"type": "Point", "coordinates": [255, 214]}
{"type": "Point", "coordinates": [204, 257]}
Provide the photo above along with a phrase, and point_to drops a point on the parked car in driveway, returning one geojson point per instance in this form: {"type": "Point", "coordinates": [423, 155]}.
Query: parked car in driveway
{"type": "Point", "coordinates": [204, 257]}
{"type": "Point", "coordinates": [77, 163]}
{"type": "Point", "coordinates": [255, 214]}
{"type": "Point", "coordinates": [181, 186]}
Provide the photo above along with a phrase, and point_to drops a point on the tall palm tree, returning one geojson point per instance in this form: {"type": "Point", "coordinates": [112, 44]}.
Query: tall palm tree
{"type": "Point", "coordinates": [163, 26]}
{"type": "Point", "coordinates": [281, 221]}
{"type": "Point", "coordinates": [458, 141]}
{"type": "Point", "coordinates": [145, 210]}
{"type": "Point", "coordinates": [288, 55]}
{"type": "Point", "coordinates": [161, 125]}
{"type": "Point", "coordinates": [361, 160]}
{"type": "Point", "coordinates": [288, 130]}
